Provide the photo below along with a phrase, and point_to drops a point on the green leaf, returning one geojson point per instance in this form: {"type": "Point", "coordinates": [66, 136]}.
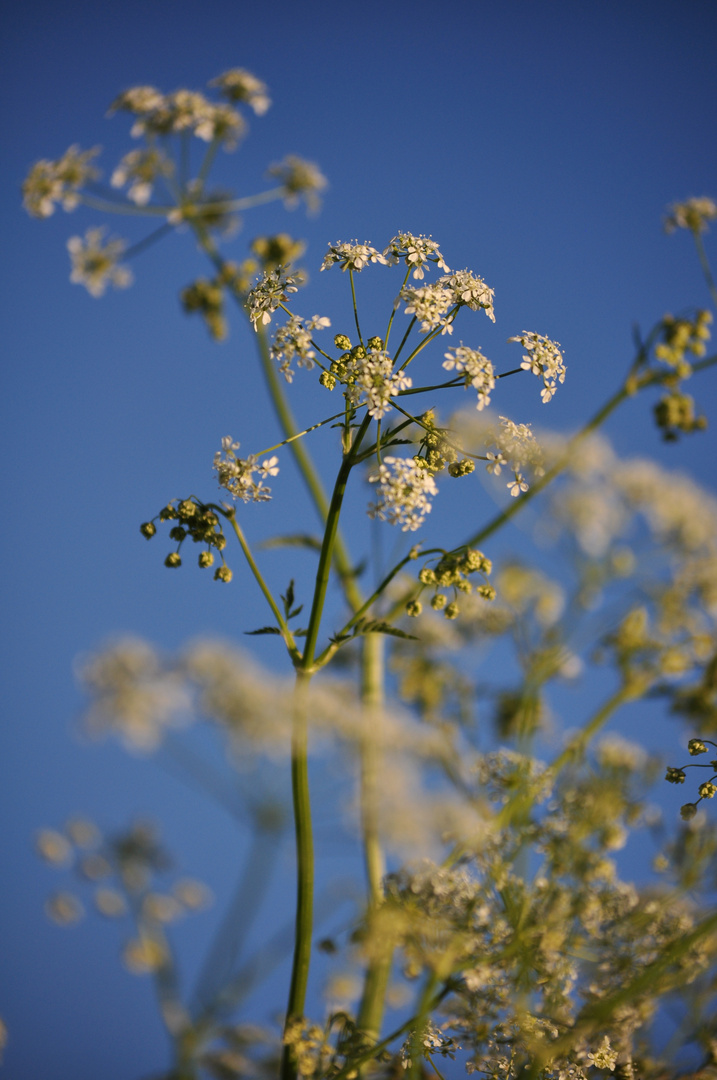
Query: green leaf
{"type": "Point", "coordinates": [264, 630]}
{"type": "Point", "coordinates": [292, 540]}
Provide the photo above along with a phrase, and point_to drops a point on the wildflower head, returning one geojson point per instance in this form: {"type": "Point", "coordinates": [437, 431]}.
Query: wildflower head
{"type": "Point", "coordinates": [696, 746]}
{"type": "Point", "coordinates": [694, 214]}
{"type": "Point", "coordinates": [61, 181]}
{"type": "Point", "coordinates": [239, 85]}
{"type": "Point", "coordinates": [352, 256]}
{"type": "Point", "coordinates": [404, 491]}
{"type": "Point", "coordinates": [95, 262]}
{"type": "Point", "coordinates": [416, 252]}
{"type": "Point", "coordinates": [270, 291]}
{"type": "Point", "coordinates": [542, 357]}
{"type": "Point", "coordinates": [300, 180]}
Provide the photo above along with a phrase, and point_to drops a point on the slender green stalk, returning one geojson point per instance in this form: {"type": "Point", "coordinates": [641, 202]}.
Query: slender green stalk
{"type": "Point", "coordinates": [704, 263]}
{"type": "Point", "coordinates": [304, 866]}
{"type": "Point", "coordinates": [353, 297]}
{"type": "Point", "coordinates": [394, 309]}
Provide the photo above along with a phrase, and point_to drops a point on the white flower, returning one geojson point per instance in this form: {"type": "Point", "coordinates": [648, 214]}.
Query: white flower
{"type": "Point", "coordinates": [95, 263]}
{"type": "Point", "coordinates": [300, 180]}
{"type": "Point", "coordinates": [604, 1057]}
{"type": "Point", "coordinates": [271, 290]}
{"type": "Point", "coordinates": [50, 182]}
{"type": "Point", "coordinates": [517, 485]}
{"type": "Point", "coordinates": [294, 340]}
{"type": "Point", "coordinates": [543, 357]}
{"type": "Point", "coordinates": [237, 474]}
{"type": "Point", "coordinates": [238, 84]}
{"type": "Point", "coordinates": [430, 304]}
{"type": "Point", "coordinates": [478, 370]}
{"type": "Point", "coordinates": [352, 256]}
{"type": "Point", "coordinates": [693, 214]}
{"type": "Point", "coordinates": [371, 379]}
{"type": "Point", "coordinates": [140, 168]}
{"type": "Point", "coordinates": [416, 251]}
{"type": "Point", "coordinates": [469, 289]}
{"type": "Point", "coordinates": [404, 492]}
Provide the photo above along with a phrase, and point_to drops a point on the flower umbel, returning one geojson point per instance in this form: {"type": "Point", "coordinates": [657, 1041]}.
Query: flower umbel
{"type": "Point", "coordinates": [694, 214]}
{"type": "Point", "coordinates": [237, 474]}
{"type": "Point", "coordinates": [237, 84]}
{"type": "Point", "coordinates": [50, 182]}
{"type": "Point", "coordinates": [476, 368]}
{"type": "Point", "coordinates": [270, 291]}
{"type": "Point", "coordinates": [352, 256]}
{"type": "Point", "coordinates": [300, 180]}
{"type": "Point", "coordinates": [416, 251]}
{"type": "Point", "coordinates": [95, 262]}
{"type": "Point", "coordinates": [404, 492]}
{"type": "Point", "coordinates": [543, 357]}
{"type": "Point", "coordinates": [293, 339]}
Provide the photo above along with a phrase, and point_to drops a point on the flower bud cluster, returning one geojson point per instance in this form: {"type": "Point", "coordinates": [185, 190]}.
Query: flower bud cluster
{"type": "Point", "coordinates": [196, 522]}
{"type": "Point", "coordinates": [707, 789]}
{"type": "Point", "coordinates": [452, 572]}
{"type": "Point", "coordinates": [680, 336]}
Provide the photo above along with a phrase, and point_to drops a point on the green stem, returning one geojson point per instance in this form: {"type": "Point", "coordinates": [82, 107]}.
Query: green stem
{"type": "Point", "coordinates": [394, 310]}
{"type": "Point", "coordinates": [706, 268]}
{"type": "Point", "coordinates": [283, 625]}
{"type": "Point", "coordinates": [353, 297]}
{"type": "Point", "coordinates": [304, 867]}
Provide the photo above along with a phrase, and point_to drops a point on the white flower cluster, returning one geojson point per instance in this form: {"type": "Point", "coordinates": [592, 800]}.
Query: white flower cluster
{"type": "Point", "coordinates": [471, 290]}
{"type": "Point", "coordinates": [140, 169]}
{"type": "Point", "coordinates": [352, 256]}
{"type": "Point", "coordinates": [478, 370]}
{"type": "Point", "coordinates": [50, 182]}
{"type": "Point", "coordinates": [693, 214]}
{"type": "Point", "coordinates": [294, 340]}
{"type": "Point", "coordinates": [431, 304]}
{"type": "Point", "coordinates": [237, 474]}
{"type": "Point", "coordinates": [95, 262]}
{"type": "Point", "coordinates": [371, 379]}
{"type": "Point", "coordinates": [517, 448]}
{"type": "Point", "coordinates": [181, 111]}
{"type": "Point", "coordinates": [543, 357]}
{"type": "Point", "coordinates": [404, 492]}
{"type": "Point", "coordinates": [300, 180]}
{"type": "Point", "coordinates": [237, 84]}
{"type": "Point", "coordinates": [272, 288]}
{"type": "Point", "coordinates": [416, 251]}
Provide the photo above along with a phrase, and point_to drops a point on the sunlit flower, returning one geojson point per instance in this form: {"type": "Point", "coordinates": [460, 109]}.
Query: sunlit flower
{"type": "Point", "coordinates": [470, 290]}
{"type": "Point", "coordinates": [236, 474]}
{"type": "Point", "coordinates": [352, 256]}
{"type": "Point", "coordinates": [416, 251]}
{"type": "Point", "coordinates": [300, 180]}
{"type": "Point", "coordinates": [477, 369]}
{"type": "Point", "coordinates": [237, 85]}
{"type": "Point", "coordinates": [370, 378]}
{"type": "Point", "coordinates": [140, 169]}
{"type": "Point", "coordinates": [271, 290]}
{"type": "Point", "coordinates": [694, 214]}
{"type": "Point", "coordinates": [50, 182]}
{"type": "Point", "coordinates": [543, 357]}
{"type": "Point", "coordinates": [403, 494]}
{"type": "Point", "coordinates": [293, 340]}
{"type": "Point", "coordinates": [95, 262]}
{"type": "Point", "coordinates": [431, 304]}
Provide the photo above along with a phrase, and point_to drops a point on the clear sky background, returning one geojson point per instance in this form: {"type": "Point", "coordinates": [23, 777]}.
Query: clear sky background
{"type": "Point", "coordinates": [539, 143]}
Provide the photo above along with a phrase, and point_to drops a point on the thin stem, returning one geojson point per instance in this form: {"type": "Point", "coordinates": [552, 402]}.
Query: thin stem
{"type": "Point", "coordinates": [404, 339]}
{"type": "Point", "coordinates": [304, 867]}
{"type": "Point", "coordinates": [110, 207]}
{"type": "Point", "coordinates": [148, 241]}
{"type": "Point", "coordinates": [353, 297]}
{"type": "Point", "coordinates": [704, 263]}
{"type": "Point", "coordinates": [283, 626]}
{"type": "Point", "coordinates": [395, 309]}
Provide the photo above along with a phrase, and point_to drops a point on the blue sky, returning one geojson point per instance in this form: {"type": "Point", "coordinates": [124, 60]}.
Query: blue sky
{"type": "Point", "coordinates": [538, 143]}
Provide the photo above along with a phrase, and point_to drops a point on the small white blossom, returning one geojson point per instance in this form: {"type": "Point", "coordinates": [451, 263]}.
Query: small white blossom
{"type": "Point", "coordinates": [478, 370]}
{"type": "Point", "coordinates": [352, 256]}
{"type": "Point", "coordinates": [140, 169]}
{"type": "Point", "coordinates": [300, 180]}
{"type": "Point", "coordinates": [430, 304]}
{"type": "Point", "coordinates": [693, 214]}
{"type": "Point", "coordinates": [95, 262]}
{"type": "Point", "coordinates": [294, 340]}
{"type": "Point", "coordinates": [604, 1057]}
{"type": "Point", "coordinates": [416, 251]}
{"type": "Point", "coordinates": [238, 84]}
{"type": "Point", "coordinates": [469, 289]}
{"type": "Point", "coordinates": [371, 379]}
{"type": "Point", "coordinates": [271, 290]}
{"type": "Point", "coordinates": [237, 474]}
{"type": "Point", "coordinates": [543, 357]}
{"type": "Point", "coordinates": [404, 492]}
{"type": "Point", "coordinates": [50, 182]}
{"type": "Point", "coordinates": [517, 485]}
